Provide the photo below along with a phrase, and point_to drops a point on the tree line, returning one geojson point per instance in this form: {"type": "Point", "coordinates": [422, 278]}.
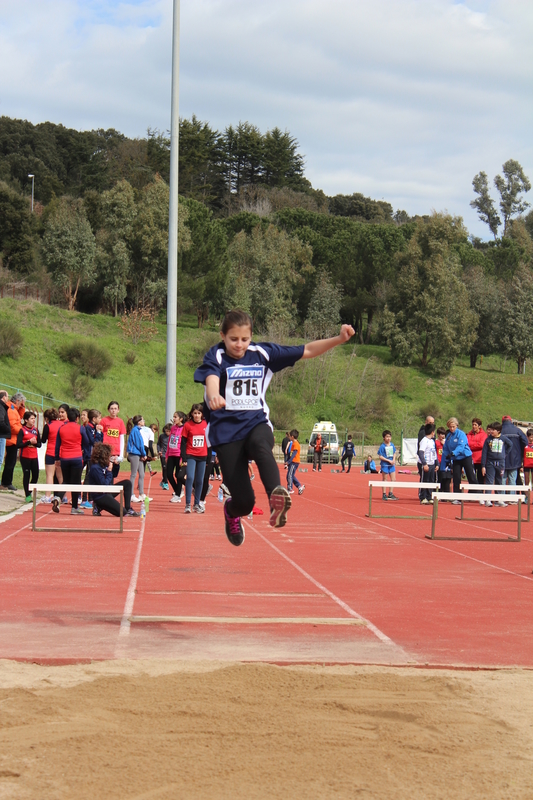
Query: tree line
{"type": "Point", "coordinates": [254, 233]}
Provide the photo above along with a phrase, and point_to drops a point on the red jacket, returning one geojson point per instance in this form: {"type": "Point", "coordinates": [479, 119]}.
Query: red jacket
{"type": "Point", "coordinates": [476, 442]}
{"type": "Point", "coordinates": [68, 442]}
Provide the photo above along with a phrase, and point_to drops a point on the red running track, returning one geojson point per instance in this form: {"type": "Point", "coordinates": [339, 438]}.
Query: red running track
{"type": "Point", "coordinates": [332, 586]}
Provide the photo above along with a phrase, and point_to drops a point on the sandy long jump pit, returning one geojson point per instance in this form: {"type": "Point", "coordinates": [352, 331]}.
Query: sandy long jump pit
{"type": "Point", "coordinates": [164, 729]}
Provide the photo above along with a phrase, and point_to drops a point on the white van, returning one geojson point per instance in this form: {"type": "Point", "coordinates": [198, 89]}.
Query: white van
{"type": "Point", "coordinates": [328, 430]}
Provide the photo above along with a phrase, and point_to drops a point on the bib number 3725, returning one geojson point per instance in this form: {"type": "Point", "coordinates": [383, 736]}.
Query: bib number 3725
{"type": "Point", "coordinates": [243, 388]}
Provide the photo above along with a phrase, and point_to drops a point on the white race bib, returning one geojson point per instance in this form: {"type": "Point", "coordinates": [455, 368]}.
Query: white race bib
{"type": "Point", "coordinates": [173, 443]}
{"type": "Point", "coordinates": [243, 388]}
{"type": "Point", "coordinates": [198, 441]}
{"type": "Point", "coordinates": [389, 450]}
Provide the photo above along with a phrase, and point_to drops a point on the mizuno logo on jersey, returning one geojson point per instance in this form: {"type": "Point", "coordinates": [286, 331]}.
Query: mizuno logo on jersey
{"type": "Point", "coordinates": [244, 372]}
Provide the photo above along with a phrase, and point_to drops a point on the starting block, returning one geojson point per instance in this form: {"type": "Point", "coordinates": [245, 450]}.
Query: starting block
{"type": "Point", "coordinates": [397, 485]}
{"type": "Point", "coordinates": [88, 489]}
{"type": "Point", "coordinates": [336, 470]}
{"type": "Point", "coordinates": [473, 497]}
{"type": "Point", "coordinates": [303, 469]}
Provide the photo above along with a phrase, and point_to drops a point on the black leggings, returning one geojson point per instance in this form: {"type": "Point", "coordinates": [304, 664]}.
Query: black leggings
{"type": "Point", "coordinates": [173, 465]}
{"type": "Point", "coordinates": [458, 465]}
{"type": "Point", "coordinates": [10, 462]}
{"type": "Point", "coordinates": [163, 461]}
{"type": "Point", "coordinates": [234, 458]}
{"type": "Point", "coordinates": [30, 469]}
{"type": "Point", "coordinates": [106, 502]}
{"type": "Point", "coordinates": [72, 469]}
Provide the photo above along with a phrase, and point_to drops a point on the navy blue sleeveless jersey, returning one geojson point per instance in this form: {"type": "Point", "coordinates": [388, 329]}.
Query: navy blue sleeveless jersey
{"type": "Point", "coordinates": [243, 384]}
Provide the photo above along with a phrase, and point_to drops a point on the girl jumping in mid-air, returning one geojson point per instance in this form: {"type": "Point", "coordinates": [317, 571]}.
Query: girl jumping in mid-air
{"type": "Point", "coordinates": [236, 374]}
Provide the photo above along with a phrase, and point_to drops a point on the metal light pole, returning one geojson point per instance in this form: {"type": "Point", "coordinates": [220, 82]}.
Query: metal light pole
{"type": "Point", "coordinates": [172, 287]}
{"type": "Point", "coordinates": [32, 186]}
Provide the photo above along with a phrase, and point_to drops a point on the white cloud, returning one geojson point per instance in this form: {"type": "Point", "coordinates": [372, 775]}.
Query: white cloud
{"type": "Point", "coordinates": [401, 99]}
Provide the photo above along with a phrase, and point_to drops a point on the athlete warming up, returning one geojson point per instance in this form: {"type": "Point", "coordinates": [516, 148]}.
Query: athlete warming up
{"type": "Point", "coordinates": [236, 374]}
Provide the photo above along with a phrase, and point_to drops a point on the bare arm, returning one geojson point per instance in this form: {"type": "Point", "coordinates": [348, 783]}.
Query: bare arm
{"type": "Point", "coordinates": [215, 401]}
{"type": "Point", "coordinates": [321, 346]}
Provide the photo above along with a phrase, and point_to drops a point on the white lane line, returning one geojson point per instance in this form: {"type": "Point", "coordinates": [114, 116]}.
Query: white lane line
{"type": "Point", "coordinates": [423, 541]}
{"type": "Point", "coordinates": [380, 635]}
{"type": "Point", "coordinates": [23, 528]}
{"type": "Point", "coordinates": [130, 597]}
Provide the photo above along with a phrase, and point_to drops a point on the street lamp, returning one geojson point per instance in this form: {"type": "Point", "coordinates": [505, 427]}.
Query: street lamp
{"type": "Point", "coordinates": [32, 185]}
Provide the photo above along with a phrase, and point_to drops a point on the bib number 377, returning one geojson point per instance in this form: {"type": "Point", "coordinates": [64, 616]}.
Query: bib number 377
{"type": "Point", "coordinates": [243, 388]}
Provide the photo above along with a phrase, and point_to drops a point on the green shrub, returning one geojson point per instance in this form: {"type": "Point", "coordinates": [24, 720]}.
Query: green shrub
{"type": "Point", "coordinates": [81, 385]}
{"type": "Point", "coordinates": [161, 369]}
{"type": "Point", "coordinates": [198, 351]}
{"type": "Point", "coordinates": [11, 339]}
{"type": "Point", "coordinates": [283, 412]}
{"type": "Point", "coordinates": [89, 358]}
{"type": "Point", "coordinates": [131, 357]}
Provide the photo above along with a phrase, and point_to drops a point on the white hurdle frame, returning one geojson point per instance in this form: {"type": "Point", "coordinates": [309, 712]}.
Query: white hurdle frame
{"type": "Point", "coordinates": [89, 488]}
{"type": "Point", "coordinates": [485, 490]}
{"type": "Point", "coordinates": [472, 498]}
{"type": "Point", "coordinates": [397, 485]}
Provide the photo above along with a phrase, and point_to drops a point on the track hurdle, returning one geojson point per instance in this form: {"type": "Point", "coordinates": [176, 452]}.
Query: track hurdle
{"type": "Point", "coordinates": [483, 489]}
{"type": "Point", "coordinates": [472, 498]}
{"type": "Point", "coordinates": [88, 488]}
{"type": "Point", "coordinates": [397, 485]}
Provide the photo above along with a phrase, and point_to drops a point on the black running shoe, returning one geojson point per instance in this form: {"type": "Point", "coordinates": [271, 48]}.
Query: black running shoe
{"type": "Point", "coordinates": [233, 527]}
{"type": "Point", "coordinates": [280, 502]}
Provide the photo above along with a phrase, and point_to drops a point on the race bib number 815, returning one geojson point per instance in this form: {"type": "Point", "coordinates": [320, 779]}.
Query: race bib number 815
{"type": "Point", "coordinates": [243, 388]}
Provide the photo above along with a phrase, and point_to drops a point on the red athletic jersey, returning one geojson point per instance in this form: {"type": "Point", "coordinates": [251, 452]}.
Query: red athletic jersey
{"type": "Point", "coordinates": [53, 428]}
{"type": "Point", "coordinates": [528, 457]}
{"type": "Point", "coordinates": [113, 430]}
{"type": "Point", "coordinates": [194, 434]}
{"type": "Point", "coordinates": [29, 450]}
{"type": "Point", "coordinates": [69, 437]}
{"type": "Point", "coordinates": [439, 446]}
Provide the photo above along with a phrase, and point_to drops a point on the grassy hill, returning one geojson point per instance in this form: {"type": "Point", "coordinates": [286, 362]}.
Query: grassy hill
{"type": "Point", "coordinates": [358, 388]}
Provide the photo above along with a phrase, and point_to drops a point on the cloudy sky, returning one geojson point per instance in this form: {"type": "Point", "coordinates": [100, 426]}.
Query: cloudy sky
{"type": "Point", "coordinates": [403, 100]}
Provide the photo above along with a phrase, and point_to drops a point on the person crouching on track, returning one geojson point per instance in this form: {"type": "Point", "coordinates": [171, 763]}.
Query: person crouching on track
{"type": "Point", "coordinates": [236, 373]}
{"type": "Point", "coordinates": [294, 463]}
{"type": "Point", "coordinates": [29, 439]}
{"type": "Point", "coordinates": [427, 453]}
{"type": "Point", "coordinates": [69, 453]}
{"type": "Point", "coordinates": [101, 474]}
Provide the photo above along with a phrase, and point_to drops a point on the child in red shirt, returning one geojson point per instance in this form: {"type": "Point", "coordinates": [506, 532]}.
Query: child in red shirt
{"type": "Point", "coordinates": [29, 439]}
{"type": "Point", "coordinates": [528, 458]}
{"type": "Point", "coordinates": [194, 433]}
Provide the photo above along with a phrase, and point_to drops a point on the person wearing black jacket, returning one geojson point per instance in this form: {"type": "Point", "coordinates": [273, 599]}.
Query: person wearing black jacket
{"type": "Point", "coordinates": [5, 427]}
{"type": "Point", "coordinates": [515, 456]}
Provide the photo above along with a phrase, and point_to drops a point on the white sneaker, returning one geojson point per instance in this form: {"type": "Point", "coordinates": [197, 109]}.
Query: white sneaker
{"type": "Point", "coordinates": [135, 499]}
{"type": "Point", "coordinates": [202, 504]}
{"type": "Point", "coordinates": [501, 504]}
{"type": "Point", "coordinates": [175, 499]}
{"type": "Point", "coordinates": [481, 502]}
{"type": "Point", "coordinates": [488, 504]}
{"type": "Point", "coordinates": [145, 497]}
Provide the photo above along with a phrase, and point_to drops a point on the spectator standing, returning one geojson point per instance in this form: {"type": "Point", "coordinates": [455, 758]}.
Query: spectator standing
{"type": "Point", "coordinates": [162, 444]}
{"type": "Point", "coordinates": [137, 457]}
{"type": "Point", "coordinates": [69, 453]}
{"type": "Point", "coordinates": [28, 440]}
{"type": "Point", "coordinates": [427, 454]}
{"type": "Point", "coordinates": [5, 427]}
{"type": "Point", "coordinates": [495, 451]}
{"type": "Point", "coordinates": [348, 452]}
{"type": "Point", "coordinates": [319, 448]}
{"type": "Point", "coordinates": [294, 463]}
{"type": "Point", "coordinates": [457, 454]}
{"type": "Point", "coordinates": [52, 423]}
{"type": "Point", "coordinates": [194, 434]}
{"type": "Point", "coordinates": [514, 458]}
{"type": "Point", "coordinates": [114, 432]}
{"type": "Point", "coordinates": [173, 455]}
{"type": "Point", "coordinates": [444, 471]}
{"type": "Point", "coordinates": [528, 458]}
{"type": "Point", "coordinates": [91, 433]}
{"type": "Point", "coordinates": [476, 439]}
{"type": "Point", "coordinates": [15, 424]}
{"type": "Point", "coordinates": [284, 443]}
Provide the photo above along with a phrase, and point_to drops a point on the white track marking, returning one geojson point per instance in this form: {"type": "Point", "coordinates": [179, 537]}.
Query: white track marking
{"type": "Point", "coordinates": [424, 541]}
{"type": "Point", "coordinates": [130, 597]}
{"type": "Point", "coordinates": [23, 528]}
{"type": "Point", "coordinates": [380, 635]}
